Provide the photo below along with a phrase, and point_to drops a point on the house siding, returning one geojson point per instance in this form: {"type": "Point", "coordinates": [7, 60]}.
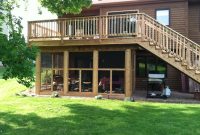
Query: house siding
{"type": "Point", "coordinates": [194, 22]}
{"type": "Point", "coordinates": [178, 13]}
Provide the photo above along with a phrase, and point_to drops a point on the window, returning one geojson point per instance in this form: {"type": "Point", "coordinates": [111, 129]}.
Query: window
{"type": "Point", "coordinates": [149, 64]}
{"type": "Point", "coordinates": [163, 16]}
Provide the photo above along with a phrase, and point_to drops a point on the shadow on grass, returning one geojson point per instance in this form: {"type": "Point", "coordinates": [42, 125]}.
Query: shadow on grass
{"type": "Point", "coordinates": [92, 120]}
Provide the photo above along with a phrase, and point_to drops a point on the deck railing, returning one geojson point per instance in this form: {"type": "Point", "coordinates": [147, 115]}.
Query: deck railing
{"type": "Point", "coordinates": [128, 25]}
{"type": "Point", "coordinates": [86, 27]}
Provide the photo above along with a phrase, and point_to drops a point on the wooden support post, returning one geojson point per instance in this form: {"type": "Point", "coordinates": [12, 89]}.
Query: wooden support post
{"type": "Point", "coordinates": [95, 71]}
{"type": "Point", "coordinates": [128, 74]}
{"type": "Point", "coordinates": [38, 74]}
{"type": "Point", "coordinates": [133, 67]}
{"type": "Point", "coordinates": [66, 72]}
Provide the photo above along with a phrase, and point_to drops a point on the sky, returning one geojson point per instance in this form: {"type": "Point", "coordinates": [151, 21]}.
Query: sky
{"type": "Point", "coordinates": [29, 12]}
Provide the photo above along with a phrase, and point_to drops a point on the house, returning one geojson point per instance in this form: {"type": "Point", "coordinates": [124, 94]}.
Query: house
{"type": "Point", "coordinates": [111, 48]}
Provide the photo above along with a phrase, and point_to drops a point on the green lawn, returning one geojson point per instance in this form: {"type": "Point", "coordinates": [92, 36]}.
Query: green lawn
{"type": "Point", "coordinates": [51, 116]}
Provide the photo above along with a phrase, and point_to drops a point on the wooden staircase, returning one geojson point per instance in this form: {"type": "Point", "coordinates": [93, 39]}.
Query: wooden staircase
{"type": "Point", "coordinates": [172, 47]}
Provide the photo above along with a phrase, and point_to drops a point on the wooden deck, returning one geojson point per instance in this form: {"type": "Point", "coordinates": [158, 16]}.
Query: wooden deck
{"type": "Point", "coordinates": [118, 30]}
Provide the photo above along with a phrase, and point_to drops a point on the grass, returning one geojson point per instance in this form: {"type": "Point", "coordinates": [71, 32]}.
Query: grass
{"type": "Point", "coordinates": [59, 116]}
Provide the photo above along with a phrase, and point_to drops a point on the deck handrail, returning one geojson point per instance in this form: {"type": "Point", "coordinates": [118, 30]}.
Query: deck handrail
{"type": "Point", "coordinates": [171, 29]}
{"type": "Point", "coordinates": [172, 42]}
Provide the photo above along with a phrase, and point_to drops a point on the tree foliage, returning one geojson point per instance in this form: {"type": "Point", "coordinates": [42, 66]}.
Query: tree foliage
{"type": "Point", "coordinates": [15, 54]}
{"type": "Point", "coordinates": [61, 7]}
{"type": "Point", "coordinates": [17, 57]}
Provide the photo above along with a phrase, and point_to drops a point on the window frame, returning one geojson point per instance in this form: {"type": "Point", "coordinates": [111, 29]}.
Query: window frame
{"type": "Point", "coordinates": [146, 68]}
{"type": "Point", "coordinates": [161, 9]}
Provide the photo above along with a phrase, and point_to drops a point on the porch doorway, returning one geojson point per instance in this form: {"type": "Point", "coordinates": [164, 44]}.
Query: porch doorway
{"type": "Point", "coordinates": [111, 72]}
{"type": "Point", "coordinates": [80, 72]}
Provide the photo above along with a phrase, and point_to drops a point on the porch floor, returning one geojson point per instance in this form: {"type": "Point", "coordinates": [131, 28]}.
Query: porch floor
{"type": "Point", "coordinates": [176, 97]}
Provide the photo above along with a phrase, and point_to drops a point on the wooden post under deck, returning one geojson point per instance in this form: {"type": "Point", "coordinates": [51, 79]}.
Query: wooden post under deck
{"type": "Point", "coordinates": [128, 74]}
{"type": "Point", "coordinates": [95, 71]}
{"type": "Point", "coordinates": [133, 66]}
{"type": "Point", "coordinates": [66, 72]}
{"type": "Point", "coordinates": [38, 74]}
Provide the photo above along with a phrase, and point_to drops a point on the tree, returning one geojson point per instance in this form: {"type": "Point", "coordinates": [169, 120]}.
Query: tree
{"type": "Point", "coordinates": [15, 54]}
{"type": "Point", "coordinates": [61, 7]}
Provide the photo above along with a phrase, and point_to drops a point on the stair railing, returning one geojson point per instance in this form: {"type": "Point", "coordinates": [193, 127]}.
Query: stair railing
{"type": "Point", "coordinates": [171, 42]}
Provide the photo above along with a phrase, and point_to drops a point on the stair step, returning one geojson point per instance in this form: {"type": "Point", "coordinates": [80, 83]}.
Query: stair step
{"type": "Point", "coordinates": [184, 63]}
{"type": "Point", "coordinates": [164, 52]}
{"type": "Point", "coordinates": [152, 44]}
{"type": "Point", "coordinates": [177, 59]}
{"type": "Point", "coordinates": [197, 72]}
{"type": "Point", "coordinates": [190, 68]}
{"type": "Point", "coordinates": [171, 55]}
{"type": "Point", "coordinates": [158, 48]}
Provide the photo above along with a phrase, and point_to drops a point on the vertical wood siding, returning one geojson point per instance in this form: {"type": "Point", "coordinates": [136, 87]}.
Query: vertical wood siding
{"type": "Point", "coordinates": [194, 22]}
{"type": "Point", "coordinates": [178, 13]}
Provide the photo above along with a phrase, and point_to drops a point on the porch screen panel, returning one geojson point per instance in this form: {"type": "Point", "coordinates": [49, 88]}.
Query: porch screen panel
{"type": "Point", "coordinates": [73, 80]}
{"type": "Point", "coordinates": [80, 60]}
{"type": "Point", "coordinates": [112, 59]}
{"type": "Point", "coordinates": [118, 82]}
{"type": "Point", "coordinates": [111, 72]}
{"type": "Point", "coordinates": [58, 60]}
{"type": "Point", "coordinates": [57, 80]}
{"type": "Point", "coordinates": [46, 60]}
{"type": "Point", "coordinates": [51, 71]}
{"type": "Point", "coordinates": [86, 81]}
{"type": "Point", "coordinates": [46, 75]}
{"type": "Point", "coordinates": [104, 82]}
{"type": "Point", "coordinates": [46, 71]}
{"type": "Point", "coordinates": [80, 71]}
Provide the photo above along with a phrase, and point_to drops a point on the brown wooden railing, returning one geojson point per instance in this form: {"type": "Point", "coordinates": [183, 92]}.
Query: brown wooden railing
{"type": "Point", "coordinates": [86, 27]}
{"type": "Point", "coordinates": [129, 25]}
{"type": "Point", "coordinates": [172, 42]}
